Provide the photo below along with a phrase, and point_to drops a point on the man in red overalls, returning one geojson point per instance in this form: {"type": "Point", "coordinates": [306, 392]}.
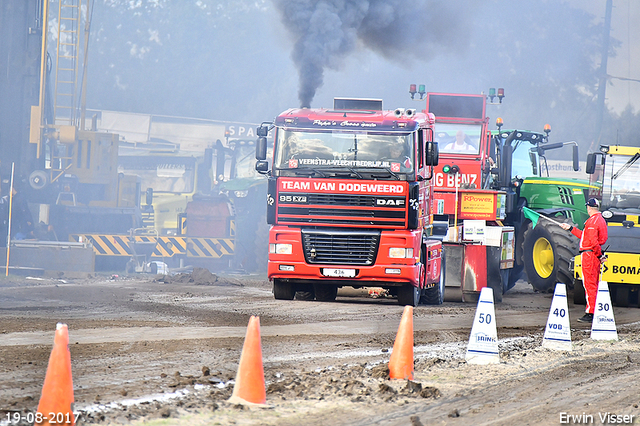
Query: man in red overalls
{"type": "Point", "coordinates": [591, 241]}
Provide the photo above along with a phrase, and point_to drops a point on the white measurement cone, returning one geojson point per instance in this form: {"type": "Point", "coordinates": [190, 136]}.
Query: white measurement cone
{"type": "Point", "coordinates": [483, 341]}
{"type": "Point", "coordinates": [557, 334]}
{"type": "Point", "coordinates": [603, 326]}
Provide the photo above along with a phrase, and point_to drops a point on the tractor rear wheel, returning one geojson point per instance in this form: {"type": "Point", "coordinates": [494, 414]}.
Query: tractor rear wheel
{"type": "Point", "coordinates": [547, 251]}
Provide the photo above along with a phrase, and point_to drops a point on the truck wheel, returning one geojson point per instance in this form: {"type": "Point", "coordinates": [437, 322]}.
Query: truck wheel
{"type": "Point", "coordinates": [326, 293]}
{"type": "Point", "coordinates": [305, 292]}
{"type": "Point", "coordinates": [409, 295]}
{"type": "Point", "coordinates": [548, 249]}
{"type": "Point", "coordinates": [435, 294]}
{"type": "Point", "coordinates": [579, 297]}
{"type": "Point", "coordinates": [283, 290]}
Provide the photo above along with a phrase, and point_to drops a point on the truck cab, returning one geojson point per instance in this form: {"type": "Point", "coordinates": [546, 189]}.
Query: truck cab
{"type": "Point", "coordinates": [348, 202]}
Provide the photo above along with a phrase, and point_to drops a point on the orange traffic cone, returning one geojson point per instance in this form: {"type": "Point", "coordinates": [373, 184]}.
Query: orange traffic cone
{"type": "Point", "coordinates": [401, 361]}
{"type": "Point", "coordinates": [56, 401]}
{"type": "Point", "coordinates": [249, 387]}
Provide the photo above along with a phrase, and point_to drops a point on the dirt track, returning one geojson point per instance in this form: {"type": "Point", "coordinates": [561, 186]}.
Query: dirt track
{"type": "Point", "coordinates": [135, 337]}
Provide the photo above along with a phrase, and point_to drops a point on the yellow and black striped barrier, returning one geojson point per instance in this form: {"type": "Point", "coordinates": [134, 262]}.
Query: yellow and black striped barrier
{"type": "Point", "coordinates": [167, 246]}
{"type": "Point", "coordinates": [210, 247]}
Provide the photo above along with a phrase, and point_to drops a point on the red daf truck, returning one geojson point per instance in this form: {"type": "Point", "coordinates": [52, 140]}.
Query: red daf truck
{"type": "Point", "coordinates": [349, 202]}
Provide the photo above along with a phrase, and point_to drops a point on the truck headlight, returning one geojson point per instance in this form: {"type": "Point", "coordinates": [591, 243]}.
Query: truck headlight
{"type": "Point", "coordinates": [280, 248]}
{"type": "Point", "coordinates": [241, 194]}
{"type": "Point", "coordinates": [400, 253]}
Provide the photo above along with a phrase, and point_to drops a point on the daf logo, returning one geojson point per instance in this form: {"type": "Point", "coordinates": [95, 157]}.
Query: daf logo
{"type": "Point", "coordinates": [387, 202]}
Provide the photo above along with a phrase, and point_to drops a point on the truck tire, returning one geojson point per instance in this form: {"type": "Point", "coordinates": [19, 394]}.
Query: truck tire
{"type": "Point", "coordinates": [283, 290]}
{"type": "Point", "coordinates": [547, 251]}
{"type": "Point", "coordinates": [435, 294]}
{"type": "Point", "coordinates": [305, 292]}
{"type": "Point", "coordinates": [326, 293]}
{"type": "Point", "coordinates": [409, 295]}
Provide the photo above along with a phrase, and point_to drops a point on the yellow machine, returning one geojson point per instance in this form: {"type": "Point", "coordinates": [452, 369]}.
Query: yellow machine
{"type": "Point", "coordinates": [74, 176]}
{"type": "Point", "coordinates": [616, 171]}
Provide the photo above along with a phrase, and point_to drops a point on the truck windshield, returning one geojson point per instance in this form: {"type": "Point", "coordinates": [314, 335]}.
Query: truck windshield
{"type": "Point", "coordinates": [458, 138]}
{"type": "Point", "coordinates": [162, 173]}
{"type": "Point", "coordinates": [346, 150]}
{"type": "Point", "coordinates": [621, 186]}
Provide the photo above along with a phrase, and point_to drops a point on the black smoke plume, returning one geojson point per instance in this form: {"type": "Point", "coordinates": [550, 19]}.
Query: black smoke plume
{"type": "Point", "coordinates": [327, 31]}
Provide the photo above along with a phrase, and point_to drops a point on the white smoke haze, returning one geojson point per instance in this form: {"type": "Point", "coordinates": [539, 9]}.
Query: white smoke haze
{"type": "Point", "coordinates": [326, 32]}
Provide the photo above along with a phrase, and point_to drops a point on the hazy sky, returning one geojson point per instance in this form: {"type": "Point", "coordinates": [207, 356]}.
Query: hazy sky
{"type": "Point", "coordinates": [240, 60]}
{"type": "Point", "coordinates": [624, 18]}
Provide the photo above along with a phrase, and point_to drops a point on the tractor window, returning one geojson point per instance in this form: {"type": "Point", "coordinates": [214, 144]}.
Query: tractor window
{"type": "Point", "coordinates": [525, 159]}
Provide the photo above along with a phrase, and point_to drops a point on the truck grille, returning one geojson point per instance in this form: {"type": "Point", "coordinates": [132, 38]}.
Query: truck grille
{"type": "Point", "coordinates": [333, 209]}
{"type": "Point", "coordinates": [340, 247]}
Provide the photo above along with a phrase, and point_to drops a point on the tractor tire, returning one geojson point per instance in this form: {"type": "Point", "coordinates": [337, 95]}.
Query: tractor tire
{"type": "Point", "coordinates": [283, 290]}
{"type": "Point", "coordinates": [435, 294]}
{"type": "Point", "coordinates": [409, 295]}
{"type": "Point", "coordinates": [326, 293]}
{"type": "Point", "coordinates": [547, 251]}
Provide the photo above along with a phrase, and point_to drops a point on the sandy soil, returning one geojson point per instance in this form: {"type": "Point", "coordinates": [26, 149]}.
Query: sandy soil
{"type": "Point", "coordinates": [164, 350]}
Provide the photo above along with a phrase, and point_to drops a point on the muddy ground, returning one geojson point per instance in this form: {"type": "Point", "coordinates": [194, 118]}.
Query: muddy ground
{"type": "Point", "coordinates": [149, 350]}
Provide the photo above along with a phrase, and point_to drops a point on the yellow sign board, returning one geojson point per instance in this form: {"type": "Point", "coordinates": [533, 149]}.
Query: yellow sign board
{"type": "Point", "coordinates": [477, 205]}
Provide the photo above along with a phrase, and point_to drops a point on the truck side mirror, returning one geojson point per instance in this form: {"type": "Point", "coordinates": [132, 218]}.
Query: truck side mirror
{"type": "Point", "coordinates": [433, 154]}
{"type": "Point", "coordinates": [591, 163]}
{"type": "Point", "coordinates": [576, 158]}
{"type": "Point", "coordinates": [262, 166]}
{"type": "Point", "coordinates": [262, 131]}
{"type": "Point", "coordinates": [149, 196]}
{"type": "Point", "coordinates": [261, 148]}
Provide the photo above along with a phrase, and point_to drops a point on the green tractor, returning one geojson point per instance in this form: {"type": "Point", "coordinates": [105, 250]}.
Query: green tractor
{"type": "Point", "coordinates": [237, 178]}
{"type": "Point", "coordinates": [543, 252]}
